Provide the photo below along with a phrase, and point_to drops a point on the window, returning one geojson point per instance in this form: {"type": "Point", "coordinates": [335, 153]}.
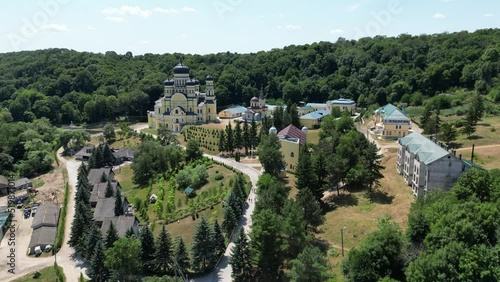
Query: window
{"type": "Point", "coordinates": [176, 120]}
{"type": "Point", "coordinates": [292, 154]}
{"type": "Point", "coordinates": [176, 112]}
{"type": "Point", "coordinates": [291, 166]}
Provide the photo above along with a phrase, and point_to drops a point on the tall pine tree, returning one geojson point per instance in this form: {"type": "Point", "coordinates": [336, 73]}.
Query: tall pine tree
{"type": "Point", "coordinates": [222, 141]}
{"type": "Point", "coordinates": [229, 222]}
{"type": "Point", "coordinates": [202, 249]}
{"type": "Point", "coordinates": [109, 190]}
{"type": "Point", "coordinates": [97, 270]}
{"type": "Point", "coordinates": [229, 139]}
{"type": "Point", "coordinates": [218, 241]}
{"type": "Point", "coordinates": [119, 203]}
{"type": "Point", "coordinates": [246, 137]}
{"type": "Point", "coordinates": [253, 134]}
{"type": "Point", "coordinates": [303, 170]}
{"type": "Point", "coordinates": [238, 136]}
{"type": "Point", "coordinates": [241, 259]}
{"type": "Point", "coordinates": [147, 248]}
{"type": "Point", "coordinates": [181, 255]}
{"type": "Point", "coordinates": [163, 254]}
{"type": "Point", "coordinates": [94, 237]}
{"type": "Point", "coordinates": [82, 219]}
{"type": "Point", "coordinates": [111, 236]}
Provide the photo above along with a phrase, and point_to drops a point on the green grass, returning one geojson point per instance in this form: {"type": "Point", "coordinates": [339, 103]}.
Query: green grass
{"type": "Point", "coordinates": [125, 143]}
{"type": "Point", "coordinates": [209, 138]}
{"type": "Point", "coordinates": [47, 274]}
{"type": "Point", "coordinates": [313, 136]}
{"type": "Point", "coordinates": [181, 201]}
{"type": "Point", "coordinates": [150, 131]}
{"type": "Point", "coordinates": [37, 183]}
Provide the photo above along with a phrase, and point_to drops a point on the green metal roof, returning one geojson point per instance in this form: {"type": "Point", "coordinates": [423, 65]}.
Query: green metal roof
{"type": "Point", "coordinates": [425, 150]}
{"type": "Point", "coordinates": [471, 164]}
{"type": "Point", "coordinates": [396, 115]}
{"type": "Point", "coordinates": [189, 190]}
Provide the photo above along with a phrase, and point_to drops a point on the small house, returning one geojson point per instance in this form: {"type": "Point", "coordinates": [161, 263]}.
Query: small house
{"type": "Point", "coordinates": [85, 153]}
{"type": "Point", "coordinates": [44, 227]}
{"type": "Point", "coordinates": [189, 191]}
{"type": "Point", "coordinates": [96, 174]}
{"type": "Point", "coordinates": [123, 155]}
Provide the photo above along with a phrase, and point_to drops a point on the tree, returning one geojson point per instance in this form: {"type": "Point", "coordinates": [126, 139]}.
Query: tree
{"type": "Point", "coordinates": [372, 166]}
{"type": "Point", "coordinates": [311, 208]}
{"type": "Point", "coordinates": [124, 258]}
{"type": "Point", "coordinates": [320, 174]}
{"type": "Point", "coordinates": [93, 238]}
{"type": "Point", "coordinates": [309, 266]}
{"type": "Point", "coordinates": [268, 244]}
{"type": "Point", "coordinates": [469, 127]}
{"type": "Point", "coordinates": [476, 108]}
{"type": "Point", "coordinates": [378, 255]}
{"type": "Point", "coordinates": [163, 254]}
{"type": "Point", "coordinates": [241, 259]}
{"type": "Point", "coordinates": [111, 236]}
{"type": "Point", "coordinates": [107, 155]}
{"type": "Point", "coordinates": [229, 222]}
{"type": "Point", "coordinates": [270, 155]}
{"type": "Point", "coordinates": [181, 255]}
{"type": "Point", "coordinates": [147, 248]}
{"type": "Point", "coordinates": [294, 228]}
{"type": "Point", "coordinates": [97, 270]}
{"type": "Point", "coordinates": [229, 139]}
{"type": "Point", "coordinates": [109, 190]}
{"type": "Point", "coordinates": [253, 134]}
{"type": "Point", "coordinates": [166, 136]}
{"type": "Point", "coordinates": [218, 241]}
{"type": "Point", "coordinates": [222, 141]}
{"type": "Point", "coordinates": [119, 203]}
{"type": "Point", "coordinates": [202, 249]}
{"type": "Point", "coordinates": [448, 132]}
{"type": "Point", "coordinates": [246, 139]}
{"type": "Point", "coordinates": [109, 132]}
{"type": "Point", "coordinates": [193, 151]}
{"type": "Point", "coordinates": [238, 137]}
{"type": "Point", "coordinates": [81, 220]}
{"type": "Point", "coordinates": [303, 170]}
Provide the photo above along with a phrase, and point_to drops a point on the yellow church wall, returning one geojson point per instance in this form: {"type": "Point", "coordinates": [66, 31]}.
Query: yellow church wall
{"type": "Point", "coordinates": [290, 152]}
{"type": "Point", "coordinates": [395, 131]}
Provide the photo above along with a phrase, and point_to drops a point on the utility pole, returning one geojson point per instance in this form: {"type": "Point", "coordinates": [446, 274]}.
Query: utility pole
{"type": "Point", "coordinates": [342, 238]}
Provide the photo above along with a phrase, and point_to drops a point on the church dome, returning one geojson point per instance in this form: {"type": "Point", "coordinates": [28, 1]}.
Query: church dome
{"type": "Point", "coordinates": [168, 82]}
{"type": "Point", "coordinates": [209, 78]}
{"type": "Point", "coordinates": [254, 99]}
{"type": "Point", "coordinates": [305, 129]}
{"type": "Point", "coordinates": [273, 130]}
{"type": "Point", "coordinates": [180, 68]}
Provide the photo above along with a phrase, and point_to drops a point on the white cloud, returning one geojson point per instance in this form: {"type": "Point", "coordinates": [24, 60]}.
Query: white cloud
{"type": "Point", "coordinates": [91, 27]}
{"type": "Point", "coordinates": [336, 31]}
{"type": "Point", "coordinates": [127, 11]}
{"type": "Point", "coordinates": [55, 27]}
{"type": "Point", "coordinates": [144, 42]}
{"type": "Point", "coordinates": [172, 11]}
{"type": "Point", "coordinates": [489, 15]}
{"type": "Point", "coordinates": [292, 26]}
{"type": "Point", "coordinates": [438, 16]}
{"type": "Point", "coordinates": [116, 19]}
{"type": "Point", "coordinates": [353, 8]}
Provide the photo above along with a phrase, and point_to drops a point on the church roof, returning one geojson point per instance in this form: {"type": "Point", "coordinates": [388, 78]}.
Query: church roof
{"type": "Point", "coordinates": [254, 99]}
{"type": "Point", "coordinates": [293, 132]}
{"type": "Point", "coordinates": [180, 68]}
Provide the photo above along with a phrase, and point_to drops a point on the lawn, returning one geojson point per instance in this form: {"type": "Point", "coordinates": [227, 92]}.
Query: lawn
{"type": "Point", "coordinates": [486, 133]}
{"type": "Point", "coordinates": [125, 143]}
{"type": "Point", "coordinates": [359, 214]}
{"type": "Point", "coordinates": [313, 136]}
{"type": "Point", "coordinates": [487, 157]}
{"type": "Point", "coordinates": [47, 274]}
{"type": "Point", "coordinates": [150, 131]}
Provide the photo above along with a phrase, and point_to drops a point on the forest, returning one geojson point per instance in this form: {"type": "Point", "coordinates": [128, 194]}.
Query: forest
{"type": "Point", "coordinates": [65, 85]}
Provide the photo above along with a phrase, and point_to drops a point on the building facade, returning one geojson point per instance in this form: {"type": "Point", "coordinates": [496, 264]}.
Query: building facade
{"type": "Point", "coordinates": [313, 119]}
{"type": "Point", "coordinates": [427, 166]}
{"type": "Point", "coordinates": [343, 104]}
{"type": "Point", "coordinates": [292, 141]}
{"type": "Point", "coordinates": [183, 103]}
{"type": "Point", "coordinates": [258, 109]}
{"type": "Point", "coordinates": [391, 123]}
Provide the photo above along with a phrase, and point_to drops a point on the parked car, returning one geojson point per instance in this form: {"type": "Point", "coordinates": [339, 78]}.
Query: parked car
{"type": "Point", "coordinates": [27, 213]}
{"type": "Point", "coordinates": [33, 211]}
{"type": "Point", "coordinates": [48, 248]}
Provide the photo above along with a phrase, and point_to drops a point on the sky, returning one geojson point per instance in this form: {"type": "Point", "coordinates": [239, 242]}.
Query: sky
{"type": "Point", "coordinates": [212, 26]}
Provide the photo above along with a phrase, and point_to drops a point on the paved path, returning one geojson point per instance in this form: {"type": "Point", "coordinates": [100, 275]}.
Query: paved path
{"type": "Point", "coordinates": [223, 270]}
{"type": "Point", "coordinates": [71, 265]}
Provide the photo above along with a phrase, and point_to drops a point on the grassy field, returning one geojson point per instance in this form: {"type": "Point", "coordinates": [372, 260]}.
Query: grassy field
{"type": "Point", "coordinates": [359, 214]}
{"type": "Point", "coordinates": [487, 156]}
{"type": "Point", "coordinates": [150, 131]}
{"type": "Point", "coordinates": [313, 136]}
{"type": "Point", "coordinates": [125, 143]}
{"type": "Point", "coordinates": [47, 274]}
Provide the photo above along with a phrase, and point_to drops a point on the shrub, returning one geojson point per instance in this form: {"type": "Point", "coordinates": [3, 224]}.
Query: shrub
{"type": "Point", "coordinates": [219, 176]}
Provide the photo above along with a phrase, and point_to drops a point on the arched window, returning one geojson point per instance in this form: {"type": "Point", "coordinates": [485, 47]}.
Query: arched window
{"type": "Point", "coordinates": [176, 111]}
{"type": "Point", "coordinates": [292, 154]}
{"type": "Point", "coordinates": [176, 120]}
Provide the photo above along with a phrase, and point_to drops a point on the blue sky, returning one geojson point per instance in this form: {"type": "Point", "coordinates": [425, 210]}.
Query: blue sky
{"type": "Point", "coordinates": [211, 26]}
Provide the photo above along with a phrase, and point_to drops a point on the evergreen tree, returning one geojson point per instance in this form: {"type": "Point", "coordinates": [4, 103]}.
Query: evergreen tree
{"type": "Point", "coordinates": [109, 132]}
{"type": "Point", "coordinates": [476, 108]}
{"type": "Point", "coordinates": [163, 254]}
{"type": "Point", "coordinates": [119, 203]}
{"type": "Point", "coordinates": [320, 174]}
{"type": "Point", "coordinates": [83, 170]}
{"type": "Point", "coordinates": [202, 248]}
{"type": "Point", "coordinates": [147, 248]}
{"type": "Point", "coordinates": [107, 155]}
{"type": "Point", "coordinates": [278, 118]}
{"type": "Point", "coordinates": [109, 190]}
{"type": "Point", "coordinates": [92, 240]}
{"type": "Point", "coordinates": [222, 141]}
{"type": "Point", "coordinates": [246, 137]}
{"type": "Point", "coordinates": [229, 222]}
{"type": "Point", "coordinates": [99, 156]}
{"type": "Point", "coordinates": [303, 170]}
{"type": "Point", "coordinates": [253, 134]}
{"type": "Point", "coordinates": [241, 259]}
{"type": "Point", "coordinates": [448, 132]}
{"type": "Point", "coordinates": [238, 138]}
{"type": "Point", "coordinates": [181, 255]}
{"type": "Point", "coordinates": [294, 228]}
{"type": "Point", "coordinates": [82, 194]}
{"type": "Point", "coordinates": [425, 118]}
{"type": "Point", "coordinates": [111, 236]}
{"type": "Point", "coordinates": [82, 219]}
{"type": "Point", "coordinates": [234, 202]}
{"type": "Point", "coordinates": [371, 162]}
{"type": "Point", "coordinates": [310, 207]}
{"type": "Point", "coordinates": [97, 270]}
{"type": "Point", "coordinates": [310, 266]}
{"type": "Point", "coordinates": [229, 138]}
{"type": "Point", "coordinates": [218, 241]}
{"type": "Point", "coordinates": [130, 233]}
{"type": "Point", "coordinates": [294, 116]}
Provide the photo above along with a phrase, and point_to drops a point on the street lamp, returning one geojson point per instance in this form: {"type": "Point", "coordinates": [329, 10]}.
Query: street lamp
{"type": "Point", "coordinates": [342, 238]}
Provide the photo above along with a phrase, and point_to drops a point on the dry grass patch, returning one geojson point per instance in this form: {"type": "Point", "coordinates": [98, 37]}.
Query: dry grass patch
{"type": "Point", "coordinates": [487, 157]}
{"type": "Point", "coordinates": [359, 214]}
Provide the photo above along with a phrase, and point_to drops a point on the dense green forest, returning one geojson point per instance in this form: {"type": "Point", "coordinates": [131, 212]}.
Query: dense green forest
{"type": "Point", "coordinates": [65, 85]}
